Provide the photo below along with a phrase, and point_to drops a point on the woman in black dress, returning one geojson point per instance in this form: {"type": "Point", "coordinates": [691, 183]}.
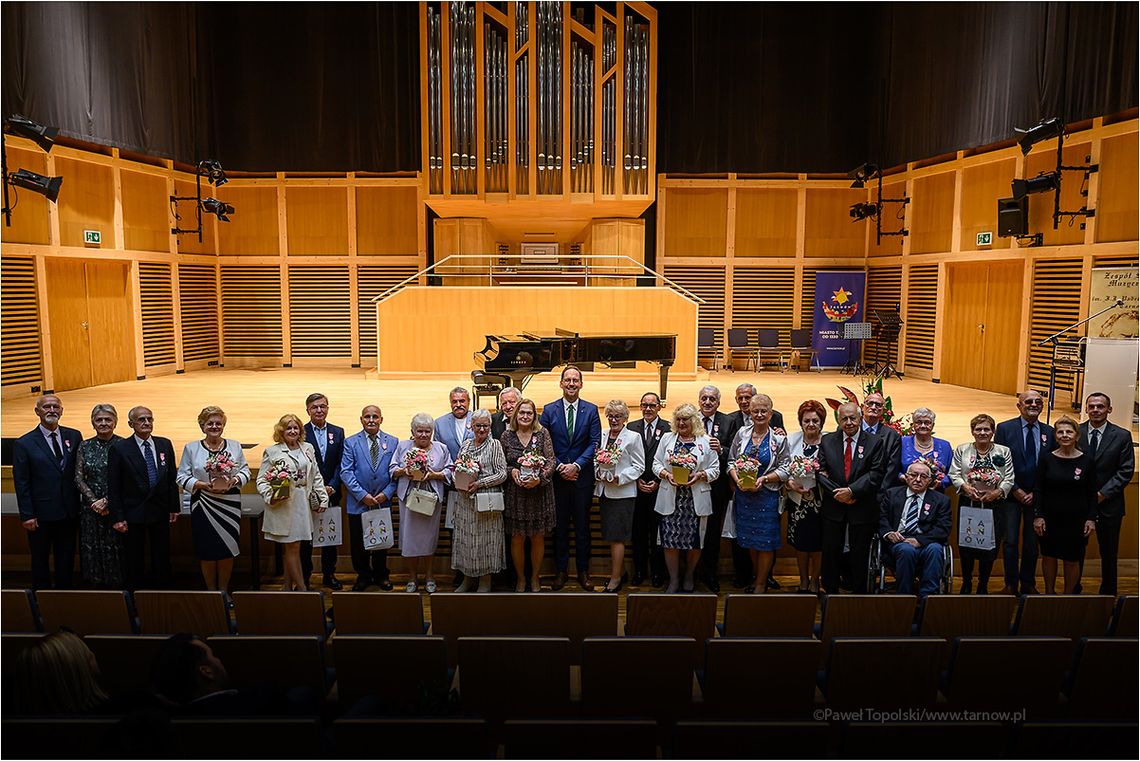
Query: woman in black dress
{"type": "Point", "coordinates": [805, 524]}
{"type": "Point", "coordinates": [100, 545]}
{"type": "Point", "coordinates": [529, 493]}
{"type": "Point", "coordinates": [1064, 506]}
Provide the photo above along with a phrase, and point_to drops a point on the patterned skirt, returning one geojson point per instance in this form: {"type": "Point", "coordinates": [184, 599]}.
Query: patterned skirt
{"type": "Point", "coordinates": [100, 550]}
{"type": "Point", "coordinates": [215, 521]}
{"type": "Point", "coordinates": [477, 544]}
{"type": "Point", "coordinates": [682, 529]}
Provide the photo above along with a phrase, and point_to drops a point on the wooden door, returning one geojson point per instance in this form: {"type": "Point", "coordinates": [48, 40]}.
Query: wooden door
{"type": "Point", "coordinates": [1003, 326]}
{"type": "Point", "coordinates": [982, 325]}
{"type": "Point", "coordinates": [112, 333]}
{"type": "Point", "coordinates": [67, 313]}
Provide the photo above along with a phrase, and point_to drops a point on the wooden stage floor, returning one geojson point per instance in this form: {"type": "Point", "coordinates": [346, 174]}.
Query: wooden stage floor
{"type": "Point", "coordinates": [255, 399]}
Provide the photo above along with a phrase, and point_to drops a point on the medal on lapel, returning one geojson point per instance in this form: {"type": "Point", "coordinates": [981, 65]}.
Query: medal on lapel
{"type": "Point", "coordinates": [162, 458]}
{"type": "Point", "coordinates": [330, 437]}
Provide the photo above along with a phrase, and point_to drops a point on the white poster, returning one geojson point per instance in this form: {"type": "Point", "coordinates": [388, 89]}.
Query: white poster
{"type": "Point", "coordinates": [1108, 285]}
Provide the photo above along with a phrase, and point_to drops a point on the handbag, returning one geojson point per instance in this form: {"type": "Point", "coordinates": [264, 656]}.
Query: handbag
{"type": "Point", "coordinates": [376, 525]}
{"type": "Point", "coordinates": [489, 502]}
{"type": "Point", "coordinates": [421, 501]}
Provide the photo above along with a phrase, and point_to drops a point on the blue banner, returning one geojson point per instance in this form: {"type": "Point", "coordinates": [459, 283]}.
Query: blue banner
{"type": "Point", "coordinates": [838, 300]}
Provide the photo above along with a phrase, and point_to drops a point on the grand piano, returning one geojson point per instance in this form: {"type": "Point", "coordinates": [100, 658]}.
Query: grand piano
{"type": "Point", "coordinates": [521, 356]}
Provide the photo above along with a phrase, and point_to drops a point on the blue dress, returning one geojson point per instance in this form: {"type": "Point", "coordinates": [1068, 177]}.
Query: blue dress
{"type": "Point", "coordinates": [758, 512]}
{"type": "Point", "coordinates": [940, 457]}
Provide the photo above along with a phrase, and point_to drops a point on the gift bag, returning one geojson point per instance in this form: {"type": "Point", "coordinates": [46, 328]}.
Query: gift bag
{"type": "Point", "coordinates": [377, 528]}
{"type": "Point", "coordinates": [729, 529]}
{"type": "Point", "coordinates": [976, 528]}
{"type": "Point", "coordinates": [449, 517]}
{"type": "Point", "coordinates": [327, 528]}
{"type": "Point", "coordinates": [489, 501]}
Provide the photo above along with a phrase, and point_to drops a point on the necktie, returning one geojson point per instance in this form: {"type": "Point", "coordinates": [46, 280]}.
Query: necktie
{"type": "Point", "coordinates": [847, 458]}
{"type": "Point", "coordinates": [1031, 446]}
{"type": "Point", "coordinates": [55, 448]}
{"type": "Point", "coordinates": [648, 433]}
{"type": "Point", "coordinates": [374, 450]}
{"type": "Point", "coordinates": [1095, 442]}
{"type": "Point", "coordinates": [910, 522]}
{"type": "Point", "coordinates": [151, 468]}
{"type": "Point", "coordinates": [708, 426]}
{"type": "Point", "coordinates": [570, 422]}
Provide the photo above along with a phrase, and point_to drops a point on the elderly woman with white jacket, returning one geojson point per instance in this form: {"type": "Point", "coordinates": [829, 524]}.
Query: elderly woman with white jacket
{"type": "Point", "coordinates": [618, 463]}
{"type": "Point", "coordinates": [684, 505]}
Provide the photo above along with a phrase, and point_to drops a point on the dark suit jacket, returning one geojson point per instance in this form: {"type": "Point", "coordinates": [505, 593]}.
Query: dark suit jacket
{"type": "Point", "coordinates": [638, 427]}
{"type": "Point", "coordinates": [130, 497]}
{"type": "Point", "coordinates": [866, 477]}
{"type": "Point", "coordinates": [776, 421]}
{"type": "Point", "coordinates": [724, 429]}
{"type": "Point", "coordinates": [1115, 462]}
{"type": "Point", "coordinates": [329, 465]}
{"type": "Point", "coordinates": [45, 491]}
{"type": "Point", "coordinates": [892, 454]}
{"type": "Point", "coordinates": [1009, 434]}
{"type": "Point", "coordinates": [498, 425]}
{"type": "Point", "coordinates": [587, 431]}
{"type": "Point", "coordinates": [933, 515]}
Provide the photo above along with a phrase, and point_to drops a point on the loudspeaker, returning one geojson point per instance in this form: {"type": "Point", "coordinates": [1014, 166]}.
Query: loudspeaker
{"type": "Point", "coordinates": [1013, 216]}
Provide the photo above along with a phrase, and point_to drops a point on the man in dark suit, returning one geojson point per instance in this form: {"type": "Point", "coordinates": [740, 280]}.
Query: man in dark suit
{"type": "Point", "coordinates": [1111, 448]}
{"type": "Point", "coordinates": [508, 398]}
{"type": "Point", "coordinates": [364, 471]}
{"type": "Point", "coordinates": [914, 522]}
{"type": "Point", "coordinates": [744, 394]}
{"type": "Point", "coordinates": [873, 405]}
{"type": "Point", "coordinates": [1027, 438]}
{"type": "Point", "coordinates": [142, 497]}
{"type": "Point", "coordinates": [328, 442]}
{"type": "Point", "coordinates": [647, 557]}
{"type": "Point", "coordinates": [43, 471]}
{"type": "Point", "coordinates": [721, 429]}
{"type": "Point", "coordinates": [574, 428]}
{"type": "Point", "coordinates": [742, 558]}
{"type": "Point", "coordinates": [851, 473]}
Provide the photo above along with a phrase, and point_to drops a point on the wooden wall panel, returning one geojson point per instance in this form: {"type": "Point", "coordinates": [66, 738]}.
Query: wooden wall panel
{"type": "Point", "coordinates": [110, 311]}
{"type": "Point", "coordinates": [765, 222]}
{"type": "Point", "coordinates": [1056, 304]}
{"type": "Point", "coordinates": [86, 201]}
{"type": "Point", "coordinates": [1118, 207]}
{"type": "Point", "coordinates": [188, 244]}
{"type": "Point", "coordinates": [981, 187]}
{"type": "Point", "coordinates": [921, 310]}
{"type": "Point", "coordinates": [29, 210]}
{"type": "Point", "coordinates": [371, 281]}
{"type": "Point", "coordinates": [252, 228]}
{"type": "Point", "coordinates": [251, 311]}
{"type": "Point", "coordinates": [884, 290]}
{"type": "Point", "coordinates": [807, 301]}
{"type": "Point", "coordinates": [932, 215]}
{"type": "Point", "coordinates": [697, 222]}
{"type": "Point", "coordinates": [1041, 204]}
{"type": "Point", "coordinates": [198, 302]}
{"type": "Point", "coordinates": [829, 229]}
{"type": "Point", "coordinates": [319, 312]}
{"type": "Point", "coordinates": [317, 220]}
{"type": "Point", "coordinates": [146, 205]}
{"type": "Point", "coordinates": [708, 284]}
{"type": "Point", "coordinates": [892, 245]}
{"type": "Point", "coordinates": [157, 313]}
{"type": "Point", "coordinates": [386, 220]}
{"type": "Point", "coordinates": [20, 328]}
{"type": "Point", "coordinates": [761, 297]}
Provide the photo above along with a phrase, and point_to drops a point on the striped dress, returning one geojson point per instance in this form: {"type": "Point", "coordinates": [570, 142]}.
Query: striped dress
{"type": "Point", "coordinates": [478, 547]}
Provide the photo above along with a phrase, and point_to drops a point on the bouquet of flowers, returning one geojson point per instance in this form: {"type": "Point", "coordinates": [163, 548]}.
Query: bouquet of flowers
{"type": "Point", "coordinates": [416, 461]}
{"type": "Point", "coordinates": [280, 480]}
{"type": "Point", "coordinates": [747, 468]}
{"type": "Point", "coordinates": [983, 476]}
{"type": "Point", "coordinates": [903, 424]}
{"type": "Point", "coordinates": [531, 464]}
{"type": "Point", "coordinates": [683, 464]}
{"type": "Point", "coordinates": [804, 469]}
{"type": "Point", "coordinates": [931, 459]}
{"type": "Point", "coordinates": [466, 471]}
{"type": "Point", "coordinates": [607, 459]}
{"type": "Point", "coordinates": [219, 466]}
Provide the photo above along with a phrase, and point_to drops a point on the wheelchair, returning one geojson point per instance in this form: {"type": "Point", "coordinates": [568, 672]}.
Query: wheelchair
{"type": "Point", "coordinates": [877, 568]}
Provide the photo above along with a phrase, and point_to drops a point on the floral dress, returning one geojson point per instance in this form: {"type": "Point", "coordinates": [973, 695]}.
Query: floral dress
{"type": "Point", "coordinates": [529, 512]}
{"type": "Point", "coordinates": [100, 545]}
{"type": "Point", "coordinates": [681, 529]}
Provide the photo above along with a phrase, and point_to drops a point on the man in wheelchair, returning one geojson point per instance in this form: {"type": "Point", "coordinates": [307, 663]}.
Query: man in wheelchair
{"type": "Point", "coordinates": [914, 524]}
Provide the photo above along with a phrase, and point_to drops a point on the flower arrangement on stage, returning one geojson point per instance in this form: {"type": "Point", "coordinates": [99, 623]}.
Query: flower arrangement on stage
{"type": "Point", "coordinates": [747, 469]}
{"type": "Point", "coordinates": [683, 464]}
{"type": "Point", "coordinates": [873, 385]}
{"type": "Point", "coordinates": [466, 471]}
{"type": "Point", "coordinates": [903, 424]}
{"type": "Point", "coordinates": [219, 467]}
{"type": "Point", "coordinates": [280, 480]}
{"type": "Point", "coordinates": [416, 461]}
{"type": "Point", "coordinates": [607, 459]}
{"type": "Point", "coordinates": [531, 464]}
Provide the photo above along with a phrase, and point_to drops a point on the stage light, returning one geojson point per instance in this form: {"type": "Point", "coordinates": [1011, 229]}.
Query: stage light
{"type": "Point", "coordinates": [863, 211]}
{"type": "Point", "coordinates": [212, 170]}
{"type": "Point", "coordinates": [1042, 183]}
{"type": "Point", "coordinates": [45, 186]}
{"type": "Point", "coordinates": [43, 136]}
{"type": "Point", "coordinates": [218, 208]}
{"type": "Point", "coordinates": [862, 173]}
{"type": "Point", "coordinates": [1045, 130]}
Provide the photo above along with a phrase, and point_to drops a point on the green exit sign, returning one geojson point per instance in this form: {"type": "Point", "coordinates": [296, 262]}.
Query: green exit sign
{"type": "Point", "coordinates": [985, 239]}
{"type": "Point", "coordinates": [92, 237]}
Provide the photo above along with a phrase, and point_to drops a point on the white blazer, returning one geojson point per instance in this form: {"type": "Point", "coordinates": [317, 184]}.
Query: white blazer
{"type": "Point", "coordinates": [781, 457]}
{"type": "Point", "coordinates": [707, 460]}
{"type": "Point", "coordinates": [628, 468]}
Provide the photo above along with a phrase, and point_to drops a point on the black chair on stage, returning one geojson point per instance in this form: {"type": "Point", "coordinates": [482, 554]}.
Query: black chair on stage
{"type": "Point", "coordinates": [801, 344]}
{"type": "Point", "coordinates": [706, 342]}
{"type": "Point", "coordinates": [738, 343]}
{"type": "Point", "coordinates": [768, 345]}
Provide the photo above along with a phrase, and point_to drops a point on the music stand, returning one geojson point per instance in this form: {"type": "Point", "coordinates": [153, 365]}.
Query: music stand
{"type": "Point", "coordinates": [890, 325]}
{"type": "Point", "coordinates": [854, 331]}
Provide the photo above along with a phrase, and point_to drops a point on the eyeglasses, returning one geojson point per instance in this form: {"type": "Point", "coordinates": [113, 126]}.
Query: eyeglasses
{"type": "Point", "coordinates": [481, 427]}
{"type": "Point", "coordinates": [1032, 402]}
{"type": "Point", "coordinates": [872, 404]}
{"type": "Point", "coordinates": [649, 406]}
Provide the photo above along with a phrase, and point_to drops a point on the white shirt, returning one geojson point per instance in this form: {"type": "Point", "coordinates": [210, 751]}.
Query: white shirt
{"type": "Point", "coordinates": [571, 406]}
{"type": "Point", "coordinates": [906, 507]}
{"type": "Point", "coordinates": [460, 428]}
{"type": "Point", "coordinates": [47, 437]}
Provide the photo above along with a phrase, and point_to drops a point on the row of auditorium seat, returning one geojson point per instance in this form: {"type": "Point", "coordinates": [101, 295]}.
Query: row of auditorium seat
{"type": "Point", "coordinates": [572, 615]}
{"type": "Point", "coordinates": [528, 677]}
{"type": "Point", "coordinates": [568, 739]}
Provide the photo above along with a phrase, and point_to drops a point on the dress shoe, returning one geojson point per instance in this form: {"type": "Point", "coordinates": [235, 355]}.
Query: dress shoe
{"type": "Point", "coordinates": [360, 586]}
{"type": "Point", "coordinates": [637, 579]}
{"type": "Point", "coordinates": [1008, 590]}
{"type": "Point", "coordinates": [458, 579]}
{"type": "Point", "coordinates": [771, 582]}
{"type": "Point", "coordinates": [584, 580]}
{"type": "Point", "coordinates": [739, 582]}
{"type": "Point", "coordinates": [386, 585]}
{"type": "Point", "coordinates": [1030, 591]}
{"type": "Point", "coordinates": [658, 581]}
{"type": "Point", "coordinates": [559, 581]}
{"type": "Point", "coordinates": [967, 588]}
{"type": "Point", "coordinates": [333, 583]}
{"type": "Point", "coordinates": [712, 584]}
